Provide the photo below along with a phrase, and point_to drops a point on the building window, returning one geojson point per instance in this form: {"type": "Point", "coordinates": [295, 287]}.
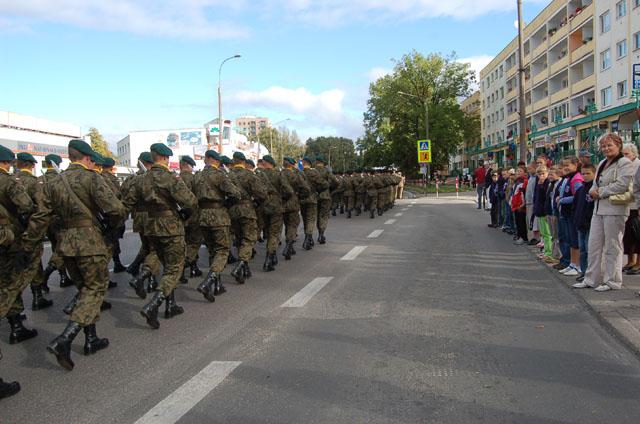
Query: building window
{"type": "Point", "coordinates": [636, 40]}
{"type": "Point", "coordinates": [605, 22]}
{"type": "Point", "coordinates": [605, 59]}
{"type": "Point", "coordinates": [621, 47]}
{"type": "Point", "coordinates": [605, 97]}
{"type": "Point", "coordinates": [502, 92]}
{"type": "Point", "coordinates": [636, 3]}
{"type": "Point", "coordinates": [622, 89]}
{"type": "Point", "coordinates": [621, 9]}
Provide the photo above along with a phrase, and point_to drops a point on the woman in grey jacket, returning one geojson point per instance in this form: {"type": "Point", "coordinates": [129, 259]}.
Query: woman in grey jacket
{"type": "Point", "coordinates": [613, 176]}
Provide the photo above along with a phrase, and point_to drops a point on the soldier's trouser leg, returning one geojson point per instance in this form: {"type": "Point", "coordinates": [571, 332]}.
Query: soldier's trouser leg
{"type": "Point", "coordinates": [11, 286]}
{"type": "Point", "coordinates": [91, 275]}
{"type": "Point", "coordinates": [193, 239]}
{"type": "Point", "coordinates": [218, 241]}
{"type": "Point", "coordinates": [171, 251]}
{"type": "Point", "coordinates": [248, 238]}
{"type": "Point", "coordinates": [151, 260]}
{"type": "Point", "coordinates": [381, 199]}
{"type": "Point", "coordinates": [309, 217]}
{"type": "Point", "coordinates": [372, 201]}
{"type": "Point", "coordinates": [33, 273]}
{"type": "Point", "coordinates": [360, 199]}
{"type": "Point", "coordinates": [274, 229]}
{"type": "Point", "coordinates": [349, 202]}
{"type": "Point", "coordinates": [291, 222]}
{"type": "Point", "coordinates": [324, 209]}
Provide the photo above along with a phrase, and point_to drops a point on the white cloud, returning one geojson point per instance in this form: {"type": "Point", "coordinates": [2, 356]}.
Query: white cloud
{"type": "Point", "coordinates": [377, 73]}
{"type": "Point", "coordinates": [477, 63]}
{"type": "Point", "coordinates": [194, 19]}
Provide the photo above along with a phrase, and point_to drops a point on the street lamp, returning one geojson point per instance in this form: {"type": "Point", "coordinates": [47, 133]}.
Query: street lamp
{"type": "Point", "coordinates": [271, 135]}
{"type": "Point", "coordinates": [220, 123]}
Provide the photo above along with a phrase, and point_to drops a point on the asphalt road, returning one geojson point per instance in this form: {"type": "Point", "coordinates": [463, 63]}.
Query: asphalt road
{"type": "Point", "coordinates": [436, 319]}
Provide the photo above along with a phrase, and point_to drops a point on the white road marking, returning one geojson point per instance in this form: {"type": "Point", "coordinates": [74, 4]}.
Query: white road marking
{"type": "Point", "coordinates": [414, 202]}
{"type": "Point", "coordinates": [303, 296]}
{"type": "Point", "coordinates": [404, 210]}
{"type": "Point", "coordinates": [173, 407]}
{"type": "Point", "coordinates": [389, 221]}
{"type": "Point", "coordinates": [353, 253]}
{"type": "Point", "coordinates": [409, 206]}
{"type": "Point", "coordinates": [375, 234]}
{"type": "Point", "coordinates": [398, 214]}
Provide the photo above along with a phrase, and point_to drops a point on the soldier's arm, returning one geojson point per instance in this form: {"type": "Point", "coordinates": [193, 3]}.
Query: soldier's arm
{"type": "Point", "coordinates": [258, 189]}
{"type": "Point", "coordinates": [287, 190]}
{"type": "Point", "coordinates": [39, 221]}
{"type": "Point", "coordinates": [106, 200]}
{"type": "Point", "coordinates": [21, 200]}
{"type": "Point", "coordinates": [319, 182]}
{"type": "Point", "coordinates": [183, 195]}
{"type": "Point", "coordinates": [229, 188]}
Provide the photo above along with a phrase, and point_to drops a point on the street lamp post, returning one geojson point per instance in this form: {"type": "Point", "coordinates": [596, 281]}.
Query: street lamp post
{"type": "Point", "coordinates": [220, 123]}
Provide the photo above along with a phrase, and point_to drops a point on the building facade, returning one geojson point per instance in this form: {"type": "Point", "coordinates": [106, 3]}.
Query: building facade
{"type": "Point", "coordinates": [468, 154]}
{"type": "Point", "coordinates": [252, 125]}
{"type": "Point", "coordinates": [578, 61]}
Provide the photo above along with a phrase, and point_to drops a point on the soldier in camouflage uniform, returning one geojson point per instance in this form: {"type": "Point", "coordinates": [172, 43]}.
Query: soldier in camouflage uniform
{"type": "Point", "coordinates": [309, 206]}
{"type": "Point", "coordinates": [360, 191]}
{"type": "Point", "coordinates": [169, 203]}
{"type": "Point", "coordinates": [243, 214]}
{"type": "Point", "coordinates": [109, 174]}
{"type": "Point", "coordinates": [80, 197]}
{"type": "Point", "coordinates": [349, 193]}
{"type": "Point", "coordinates": [371, 187]}
{"type": "Point", "coordinates": [260, 219]}
{"type": "Point", "coordinates": [291, 206]}
{"type": "Point", "coordinates": [383, 191]}
{"type": "Point", "coordinates": [15, 207]}
{"type": "Point", "coordinates": [337, 194]}
{"type": "Point", "coordinates": [25, 165]}
{"type": "Point", "coordinates": [324, 198]}
{"type": "Point", "coordinates": [215, 190]}
{"type": "Point", "coordinates": [193, 235]}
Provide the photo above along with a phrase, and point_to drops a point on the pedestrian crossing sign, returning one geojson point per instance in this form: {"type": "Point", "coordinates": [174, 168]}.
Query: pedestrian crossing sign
{"type": "Point", "coordinates": [424, 151]}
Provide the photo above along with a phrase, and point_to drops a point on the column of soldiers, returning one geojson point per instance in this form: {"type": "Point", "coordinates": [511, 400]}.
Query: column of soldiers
{"type": "Point", "coordinates": [226, 206]}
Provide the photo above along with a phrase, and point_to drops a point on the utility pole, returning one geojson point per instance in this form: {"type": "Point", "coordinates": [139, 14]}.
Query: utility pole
{"type": "Point", "coordinates": [521, 73]}
{"type": "Point", "coordinates": [220, 123]}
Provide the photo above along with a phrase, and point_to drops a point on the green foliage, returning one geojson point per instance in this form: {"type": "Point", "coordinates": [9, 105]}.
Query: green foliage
{"type": "Point", "coordinates": [99, 144]}
{"type": "Point", "coordinates": [339, 151]}
{"type": "Point", "coordinates": [281, 142]}
{"type": "Point", "coordinates": [394, 122]}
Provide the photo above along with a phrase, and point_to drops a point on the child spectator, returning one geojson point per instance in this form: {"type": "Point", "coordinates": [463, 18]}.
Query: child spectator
{"type": "Point", "coordinates": [563, 262]}
{"type": "Point", "coordinates": [582, 213]}
{"type": "Point", "coordinates": [518, 205]}
{"type": "Point", "coordinates": [551, 218]}
{"type": "Point", "coordinates": [494, 199]}
{"type": "Point", "coordinates": [501, 196]}
{"type": "Point", "coordinates": [572, 182]}
{"type": "Point", "coordinates": [540, 210]}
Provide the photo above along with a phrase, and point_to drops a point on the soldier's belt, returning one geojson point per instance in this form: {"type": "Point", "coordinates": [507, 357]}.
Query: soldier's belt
{"type": "Point", "coordinates": [210, 204]}
{"type": "Point", "coordinates": [161, 213]}
{"type": "Point", "coordinates": [79, 223]}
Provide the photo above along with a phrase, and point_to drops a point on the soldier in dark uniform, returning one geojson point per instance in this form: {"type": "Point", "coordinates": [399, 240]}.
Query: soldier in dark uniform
{"type": "Point", "coordinates": [215, 190]}
{"type": "Point", "coordinates": [86, 203]}
{"type": "Point", "coordinates": [324, 198]}
{"type": "Point", "coordinates": [291, 206]}
{"type": "Point", "coordinates": [109, 174]}
{"type": "Point", "coordinates": [193, 235]}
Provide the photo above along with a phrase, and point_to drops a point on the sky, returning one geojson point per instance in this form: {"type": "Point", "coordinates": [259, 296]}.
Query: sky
{"type": "Point", "coordinates": [127, 65]}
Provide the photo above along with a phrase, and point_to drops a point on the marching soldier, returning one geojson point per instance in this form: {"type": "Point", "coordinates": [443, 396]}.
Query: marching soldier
{"type": "Point", "coordinates": [108, 172]}
{"type": "Point", "coordinates": [360, 190]}
{"type": "Point", "coordinates": [371, 186]}
{"type": "Point", "coordinates": [215, 190]}
{"type": "Point", "coordinates": [291, 206]}
{"type": "Point", "coordinates": [337, 194]}
{"type": "Point", "coordinates": [193, 235]}
{"type": "Point", "coordinates": [25, 165]}
{"type": "Point", "coordinates": [324, 198]}
{"type": "Point", "coordinates": [309, 206]}
{"type": "Point", "coordinates": [349, 193]}
{"type": "Point", "coordinates": [15, 207]}
{"type": "Point", "coordinates": [85, 202]}
{"type": "Point", "coordinates": [169, 202]}
{"type": "Point", "coordinates": [243, 214]}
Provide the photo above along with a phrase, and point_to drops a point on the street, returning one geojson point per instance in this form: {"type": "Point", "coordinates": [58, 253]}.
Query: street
{"type": "Point", "coordinates": [423, 315]}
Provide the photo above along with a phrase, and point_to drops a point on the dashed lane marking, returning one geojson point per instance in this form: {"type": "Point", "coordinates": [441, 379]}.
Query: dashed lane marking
{"type": "Point", "coordinates": [301, 298]}
{"type": "Point", "coordinates": [178, 403]}
{"type": "Point", "coordinates": [399, 214]}
{"type": "Point", "coordinates": [375, 234]}
{"type": "Point", "coordinates": [390, 221]}
{"type": "Point", "coordinates": [353, 253]}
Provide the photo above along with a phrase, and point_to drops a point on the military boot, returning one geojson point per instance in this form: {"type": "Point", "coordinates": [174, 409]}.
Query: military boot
{"type": "Point", "coordinates": [183, 279]}
{"type": "Point", "coordinates": [65, 281]}
{"type": "Point", "coordinates": [380, 211]}
{"type": "Point", "coordinates": [232, 259]}
{"type": "Point", "coordinates": [358, 211]}
{"type": "Point", "coordinates": [238, 273]}
{"type": "Point", "coordinates": [61, 345]}
{"type": "Point", "coordinates": [287, 251]}
{"type": "Point", "coordinates": [46, 273]}
{"type": "Point", "coordinates": [134, 267]}
{"type": "Point", "coordinates": [313, 243]}
{"type": "Point", "coordinates": [112, 285]}
{"type": "Point", "coordinates": [137, 283]}
{"type": "Point", "coordinates": [205, 288]}
{"type": "Point", "coordinates": [195, 271]}
{"type": "Point", "coordinates": [268, 264]}
{"type": "Point", "coordinates": [341, 209]}
{"type": "Point", "coordinates": [293, 251]}
{"type": "Point", "coordinates": [372, 214]}
{"type": "Point", "coordinates": [321, 238]}
{"type": "Point", "coordinates": [333, 212]}
{"type": "Point", "coordinates": [71, 305]}
{"type": "Point", "coordinates": [19, 332]}
{"type": "Point", "coordinates": [306, 245]}
{"type": "Point", "coordinates": [348, 213]}
{"type": "Point", "coordinates": [150, 310]}
{"type": "Point", "coordinates": [152, 284]}
{"type": "Point", "coordinates": [39, 302]}
{"type": "Point", "coordinates": [247, 270]}
{"type": "Point", "coordinates": [219, 288]}
{"type": "Point", "coordinates": [8, 389]}
{"type": "Point", "coordinates": [254, 252]}
{"type": "Point", "coordinates": [117, 265]}
{"type": "Point", "coordinates": [105, 306]}
{"type": "Point", "coordinates": [274, 258]}
{"type": "Point", "coordinates": [92, 343]}
{"type": "Point", "coordinates": [171, 308]}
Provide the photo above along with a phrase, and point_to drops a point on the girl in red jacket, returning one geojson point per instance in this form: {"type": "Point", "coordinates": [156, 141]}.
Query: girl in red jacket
{"type": "Point", "coordinates": [518, 205]}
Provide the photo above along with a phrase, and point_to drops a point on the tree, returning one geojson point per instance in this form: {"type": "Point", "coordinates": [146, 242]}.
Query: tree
{"type": "Point", "coordinates": [99, 144]}
{"type": "Point", "coordinates": [281, 142]}
{"type": "Point", "coordinates": [339, 151]}
{"type": "Point", "coordinates": [394, 122]}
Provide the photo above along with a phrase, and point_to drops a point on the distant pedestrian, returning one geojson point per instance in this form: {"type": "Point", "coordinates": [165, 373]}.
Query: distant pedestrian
{"type": "Point", "coordinates": [480, 174]}
{"type": "Point", "coordinates": [495, 202]}
{"type": "Point", "coordinates": [518, 205]}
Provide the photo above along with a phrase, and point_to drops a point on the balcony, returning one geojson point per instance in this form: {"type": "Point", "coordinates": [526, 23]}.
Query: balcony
{"type": "Point", "coordinates": [540, 49]}
{"type": "Point", "coordinates": [559, 65]}
{"type": "Point", "coordinates": [512, 94]}
{"type": "Point", "coordinates": [511, 72]}
{"type": "Point", "coordinates": [559, 34]}
{"type": "Point", "coordinates": [560, 95]}
{"type": "Point", "coordinates": [541, 104]}
{"type": "Point", "coordinates": [528, 110]}
{"type": "Point", "coordinates": [584, 84]}
{"type": "Point", "coordinates": [582, 51]}
{"type": "Point", "coordinates": [513, 117]}
{"type": "Point", "coordinates": [543, 75]}
{"type": "Point", "coordinates": [580, 19]}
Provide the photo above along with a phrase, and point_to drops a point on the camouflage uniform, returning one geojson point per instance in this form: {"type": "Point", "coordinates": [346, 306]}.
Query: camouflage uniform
{"type": "Point", "coordinates": [54, 228]}
{"type": "Point", "coordinates": [291, 206]}
{"type": "Point", "coordinates": [336, 196]}
{"type": "Point", "coordinates": [193, 235]}
{"type": "Point", "coordinates": [324, 199]}
{"type": "Point", "coordinates": [114, 243]}
{"type": "Point", "coordinates": [279, 190]}
{"type": "Point", "coordinates": [349, 194]}
{"type": "Point", "coordinates": [371, 186]}
{"type": "Point", "coordinates": [360, 189]}
{"type": "Point", "coordinates": [309, 205]}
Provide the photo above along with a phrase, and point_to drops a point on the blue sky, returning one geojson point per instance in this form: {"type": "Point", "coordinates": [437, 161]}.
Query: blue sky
{"type": "Point", "coordinates": [127, 65]}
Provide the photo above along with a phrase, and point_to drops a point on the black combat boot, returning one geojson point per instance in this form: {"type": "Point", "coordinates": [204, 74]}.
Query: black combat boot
{"type": "Point", "coordinates": [358, 211]}
{"type": "Point", "coordinates": [348, 213]}
{"type": "Point", "coordinates": [232, 259]}
{"type": "Point", "coordinates": [219, 288]}
{"type": "Point", "coordinates": [372, 214]}
{"type": "Point", "coordinates": [171, 308]}
{"type": "Point", "coordinates": [137, 283]}
{"type": "Point", "coordinates": [195, 271]}
{"type": "Point", "coordinates": [268, 264]}
{"type": "Point", "coordinates": [117, 265]}
{"type": "Point", "coordinates": [65, 281]}
{"type": "Point", "coordinates": [134, 267]}
{"type": "Point", "coordinates": [313, 243]}
{"type": "Point", "coordinates": [321, 238]}
{"type": "Point", "coordinates": [238, 272]}
{"type": "Point", "coordinates": [46, 273]}
{"type": "Point", "coordinates": [287, 251]}
{"type": "Point", "coordinates": [333, 212]}
{"type": "Point", "coordinates": [92, 343]}
{"type": "Point", "coordinates": [19, 332]}
{"type": "Point", "coordinates": [205, 287]}
{"type": "Point", "coordinates": [306, 245]}
{"type": "Point", "coordinates": [71, 305]}
{"type": "Point", "coordinates": [150, 310]}
{"type": "Point", "coordinates": [61, 345]}
{"type": "Point", "coordinates": [293, 251]}
{"type": "Point", "coordinates": [152, 284]}
{"type": "Point", "coordinates": [39, 302]}
{"type": "Point", "coordinates": [112, 285]}
{"type": "Point", "coordinates": [8, 389]}
{"type": "Point", "coordinates": [274, 258]}
{"type": "Point", "coordinates": [247, 270]}
{"type": "Point", "coordinates": [254, 252]}
{"type": "Point", "coordinates": [380, 211]}
{"type": "Point", "coordinates": [105, 306]}
{"type": "Point", "coordinates": [183, 279]}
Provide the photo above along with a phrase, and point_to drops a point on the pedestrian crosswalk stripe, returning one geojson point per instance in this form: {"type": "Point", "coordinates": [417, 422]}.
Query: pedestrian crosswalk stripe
{"type": "Point", "coordinates": [375, 234]}
{"type": "Point", "coordinates": [303, 296]}
{"type": "Point", "coordinates": [389, 221]}
{"type": "Point", "coordinates": [353, 253]}
{"type": "Point", "coordinates": [398, 214]}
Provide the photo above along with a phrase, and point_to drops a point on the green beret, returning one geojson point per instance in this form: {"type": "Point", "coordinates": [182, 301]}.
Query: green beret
{"type": "Point", "coordinates": [161, 149]}
{"type": "Point", "coordinates": [53, 159]}
{"type": "Point", "coordinates": [239, 156]}
{"type": "Point", "coordinates": [97, 158]}
{"type": "Point", "coordinates": [25, 157]}
{"type": "Point", "coordinates": [145, 157]}
{"type": "Point", "coordinates": [308, 159]}
{"type": "Point", "coordinates": [187, 159]}
{"type": "Point", "coordinates": [270, 159]}
{"type": "Point", "coordinates": [292, 161]}
{"type": "Point", "coordinates": [81, 146]}
{"type": "Point", "coordinates": [320, 158]}
{"type": "Point", "coordinates": [6, 155]}
{"type": "Point", "coordinates": [213, 155]}
{"type": "Point", "coordinates": [226, 160]}
{"type": "Point", "coordinates": [250, 162]}
{"type": "Point", "coordinates": [109, 162]}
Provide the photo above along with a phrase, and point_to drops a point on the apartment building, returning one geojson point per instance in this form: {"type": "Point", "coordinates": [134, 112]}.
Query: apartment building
{"type": "Point", "coordinates": [252, 125]}
{"type": "Point", "coordinates": [463, 159]}
{"type": "Point", "coordinates": [578, 57]}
